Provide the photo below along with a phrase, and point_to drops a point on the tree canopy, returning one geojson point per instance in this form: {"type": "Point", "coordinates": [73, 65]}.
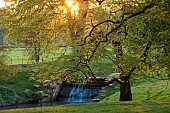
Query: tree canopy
{"type": "Point", "coordinates": [138, 30]}
{"type": "Point", "coordinates": [132, 34]}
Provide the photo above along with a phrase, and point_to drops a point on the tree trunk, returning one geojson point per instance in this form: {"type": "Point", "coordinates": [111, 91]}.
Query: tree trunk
{"type": "Point", "coordinates": [37, 59]}
{"type": "Point", "coordinates": [37, 54]}
{"type": "Point", "coordinates": [125, 90]}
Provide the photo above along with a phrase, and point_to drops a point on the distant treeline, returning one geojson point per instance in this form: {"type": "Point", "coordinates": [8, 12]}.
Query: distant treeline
{"type": "Point", "coordinates": [2, 36]}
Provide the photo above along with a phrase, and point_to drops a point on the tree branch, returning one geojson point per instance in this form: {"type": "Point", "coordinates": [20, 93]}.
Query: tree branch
{"type": "Point", "coordinates": [140, 12]}
{"type": "Point", "coordinates": [93, 27]}
{"type": "Point", "coordinates": [113, 29]}
{"type": "Point", "coordinates": [145, 55]}
{"type": "Point", "coordinates": [111, 81]}
{"type": "Point", "coordinates": [106, 39]}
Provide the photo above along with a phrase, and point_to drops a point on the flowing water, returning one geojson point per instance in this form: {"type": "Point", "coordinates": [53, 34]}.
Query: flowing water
{"type": "Point", "coordinates": [78, 93]}
{"type": "Point", "coordinates": [82, 93]}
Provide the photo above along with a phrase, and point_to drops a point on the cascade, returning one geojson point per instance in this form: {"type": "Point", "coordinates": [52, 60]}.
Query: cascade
{"type": "Point", "coordinates": [82, 93]}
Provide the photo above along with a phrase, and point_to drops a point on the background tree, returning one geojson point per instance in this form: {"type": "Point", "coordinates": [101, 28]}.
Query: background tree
{"type": "Point", "coordinates": [6, 72]}
{"type": "Point", "coordinates": [35, 24]}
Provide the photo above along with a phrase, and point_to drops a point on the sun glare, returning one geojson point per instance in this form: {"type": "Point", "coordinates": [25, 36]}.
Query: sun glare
{"type": "Point", "coordinates": [73, 5]}
{"type": "Point", "coordinates": [2, 3]}
{"type": "Point", "coordinates": [69, 3]}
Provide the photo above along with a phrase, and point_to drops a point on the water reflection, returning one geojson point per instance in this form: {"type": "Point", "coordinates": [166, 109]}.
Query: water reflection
{"type": "Point", "coordinates": [32, 105]}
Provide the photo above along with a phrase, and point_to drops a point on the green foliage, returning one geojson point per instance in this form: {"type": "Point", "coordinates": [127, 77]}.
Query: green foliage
{"type": "Point", "coordinates": [5, 71]}
{"type": "Point", "coordinates": [19, 89]}
{"type": "Point", "coordinates": [42, 27]}
{"type": "Point", "coordinates": [7, 96]}
{"type": "Point", "coordinates": [30, 96]}
{"type": "Point", "coordinates": [11, 97]}
{"type": "Point", "coordinates": [21, 80]}
{"type": "Point", "coordinates": [102, 67]}
{"type": "Point", "coordinates": [1, 38]}
{"type": "Point", "coordinates": [150, 29]}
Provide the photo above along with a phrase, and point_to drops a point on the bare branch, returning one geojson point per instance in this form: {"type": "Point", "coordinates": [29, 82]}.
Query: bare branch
{"type": "Point", "coordinates": [106, 39]}
{"type": "Point", "coordinates": [115, 28]}
{"type": "Point", "coordinates": [92, 22]}
{"type": "Point", "coordinates": [93, 27]}
{"type": "Point", "coordinates": [126, 33]}
{"type": "Point", "coordinates": [140, 12]}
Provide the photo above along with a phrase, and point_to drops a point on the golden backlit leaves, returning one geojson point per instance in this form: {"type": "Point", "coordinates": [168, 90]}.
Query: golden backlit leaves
{"type": "Point", "coordinates": [71, 6]}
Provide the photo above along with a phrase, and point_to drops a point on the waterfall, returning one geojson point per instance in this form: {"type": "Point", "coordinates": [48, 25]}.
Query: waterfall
{"type": "Point", "coordinates": [82, 93]}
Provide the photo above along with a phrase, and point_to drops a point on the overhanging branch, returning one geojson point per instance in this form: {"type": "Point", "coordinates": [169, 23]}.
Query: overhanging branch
{"type": "Point", "coordinates": [113, 29]}
{"type": "Point", "coordinates": [106, 39]}
{"type": "Point", "coordinates": [94, 26]}
{"type": "Point", "coordinates": [140, 12]}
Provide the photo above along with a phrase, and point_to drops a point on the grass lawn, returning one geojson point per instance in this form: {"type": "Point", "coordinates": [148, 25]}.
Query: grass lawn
{"type": "Point", "coordinates": [101, 107]}
{"type": "Point", "coordinates": [19, 56]}
{"type": "Point", "coordinates": [146, 89]}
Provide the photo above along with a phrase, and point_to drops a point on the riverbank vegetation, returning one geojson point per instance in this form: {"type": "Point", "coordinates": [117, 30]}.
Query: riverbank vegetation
{"type": "Point", "coordinates": [18, 89]}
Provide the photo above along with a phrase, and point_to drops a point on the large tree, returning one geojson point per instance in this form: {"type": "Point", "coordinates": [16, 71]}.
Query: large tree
{"type": "Point", "coordinates": [136, 30]}
{"type": "Point", "coordinates": [139, 32]}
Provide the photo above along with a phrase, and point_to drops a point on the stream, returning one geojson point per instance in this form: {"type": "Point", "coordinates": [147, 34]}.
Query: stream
{"type": "Point", "coordinates": [33, 105]}
{"type": "Point", "coordinates": [74, 94]}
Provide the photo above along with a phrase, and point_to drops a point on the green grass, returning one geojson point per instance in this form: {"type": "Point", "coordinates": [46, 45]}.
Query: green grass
{"type": "Point", "coordinates": [151, 89]}
{"type": "Point", "coordinates": [19, 56]}
{"type": "Point", "coordinates": [102, 107]}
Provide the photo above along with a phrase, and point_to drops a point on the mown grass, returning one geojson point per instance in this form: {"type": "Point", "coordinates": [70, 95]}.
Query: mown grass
{"type": "Point", "coordinates": [101, 107]}
{"type": "Point", "coordinates": [17, 56]}
{"type": "Point", "coordinates": [20, 56]}
{"type": "Point", "coordinates": [146, 89]}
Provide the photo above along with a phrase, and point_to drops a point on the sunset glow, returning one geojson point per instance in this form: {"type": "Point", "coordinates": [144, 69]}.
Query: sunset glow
{"type": "Point", "coordinates": [73, 6]}
{"type": "Point", "coordinates": [69, 3]}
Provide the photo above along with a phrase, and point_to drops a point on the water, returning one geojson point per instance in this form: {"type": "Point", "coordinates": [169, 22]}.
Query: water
{"type": "Point", "coordinates": [33, 105]}
{"type": "Point", "coordinates": [82, 93]}
{"type": "Point", "coordinates": [78, 93]}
